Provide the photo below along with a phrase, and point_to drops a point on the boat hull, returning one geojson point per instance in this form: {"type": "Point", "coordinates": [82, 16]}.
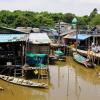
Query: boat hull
{"type": "Point", "coordinates": [23, 82]}
{"type": "Point", "coordinates": [82, 60]}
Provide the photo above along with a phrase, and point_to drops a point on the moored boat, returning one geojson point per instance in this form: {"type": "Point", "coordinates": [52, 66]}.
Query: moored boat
{"type": "Point", "coordinates": [22, 82]}
{"type": "Point", "coordinates": [82, 60]}
{"type": "Point", "coordinates": [60, 55]}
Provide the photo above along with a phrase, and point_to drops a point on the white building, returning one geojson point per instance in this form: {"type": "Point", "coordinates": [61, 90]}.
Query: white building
{"type": "Point", "coordinates": [62, 27]}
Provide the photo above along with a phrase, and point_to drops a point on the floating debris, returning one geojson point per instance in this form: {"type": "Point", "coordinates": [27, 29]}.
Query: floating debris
{"type": "Point", "coordinates": [1, 89]}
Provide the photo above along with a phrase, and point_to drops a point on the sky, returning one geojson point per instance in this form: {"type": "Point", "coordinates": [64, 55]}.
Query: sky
{"type": "Point", "coordinates": [78, 7]}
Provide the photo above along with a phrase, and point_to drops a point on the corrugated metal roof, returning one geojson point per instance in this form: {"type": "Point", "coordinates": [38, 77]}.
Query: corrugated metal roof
{"type": "Point", "coordinates": [13, 37]}
{"type": "Point", "coordinates": [39, 38]}
{"type": "Point", "coordinates": [80, 36]}
{"type": "Point", "coordinates": [68, 32]}
{"type": "Point", "coordinates": [55, 33]}
{"type": "Point", "coordinates": [13, 30]}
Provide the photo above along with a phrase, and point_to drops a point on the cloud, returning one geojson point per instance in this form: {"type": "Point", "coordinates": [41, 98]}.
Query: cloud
{"type": "Point", "coordinates": [79, 7]}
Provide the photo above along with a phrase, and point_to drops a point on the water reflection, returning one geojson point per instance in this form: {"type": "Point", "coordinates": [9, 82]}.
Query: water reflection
{"type": "Point", "coordinates": [13, 92]}
{"type": "Point", "coordinates": [86, 74]}
{"type": "Point", "coordinates": [68, 81]}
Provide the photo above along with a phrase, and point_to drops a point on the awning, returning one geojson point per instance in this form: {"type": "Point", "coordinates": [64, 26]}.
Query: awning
{"type": "Point", "coordinates": [39, 38]}
{"type": "Point", "coordinates": [79, 36]}
{"type": "Point", "coordinates": [13, 37]}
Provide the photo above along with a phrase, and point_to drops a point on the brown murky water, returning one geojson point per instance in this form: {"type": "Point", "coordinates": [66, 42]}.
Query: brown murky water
{"type": "Point", "coordinates": [68, 81]}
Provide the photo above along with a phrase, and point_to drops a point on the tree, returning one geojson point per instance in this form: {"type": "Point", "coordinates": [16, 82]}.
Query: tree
{"type": "Point", "coordinates": [95, 21]}
{"type": "Point", "coordinates": [6, 18]}
{"type": "Point", "coordinates": [68, 17]}
{"type": "Point", "coordinates": [93, 13]}
{"type": "Point", "coordinates": [43, 21]}
{"type": "Point", "coordinates": [57, 17]}
{"type": "Point", "coordinates": [22, 21]}
{"type": "Point", "coordinates": [86, 19]}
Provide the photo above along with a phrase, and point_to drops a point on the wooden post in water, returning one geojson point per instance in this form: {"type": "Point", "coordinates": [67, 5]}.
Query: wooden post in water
{"type": "Point", "coordinates": [38, 74]}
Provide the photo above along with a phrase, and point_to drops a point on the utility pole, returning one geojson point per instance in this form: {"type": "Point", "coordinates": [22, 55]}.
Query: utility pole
{"type": "Point", "coordinates": [59, 32]}
{"type": "Point", "coordinates": [75, 24]}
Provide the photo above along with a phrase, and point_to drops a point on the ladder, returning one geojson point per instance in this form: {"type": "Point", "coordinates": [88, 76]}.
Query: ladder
{"type": "Point", "coordinates": [43, 73]}
{"type": "Point", "coordinates": [17, 72]}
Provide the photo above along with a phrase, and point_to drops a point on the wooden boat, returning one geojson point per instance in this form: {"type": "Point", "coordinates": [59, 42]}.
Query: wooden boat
{"type": "Point", "coordinates": [23, 82]}
{"type": "Point", "coordinates": [60, 55]}
{"type": "Point", "coordinates": [82, 60]}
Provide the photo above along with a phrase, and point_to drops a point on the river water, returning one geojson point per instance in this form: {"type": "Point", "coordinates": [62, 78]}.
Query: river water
{"type": "Point", "coordinates": [68, 81]}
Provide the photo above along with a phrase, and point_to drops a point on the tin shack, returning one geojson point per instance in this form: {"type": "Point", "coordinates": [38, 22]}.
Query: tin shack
{"type": "Point", "coordinates": [12, 50]}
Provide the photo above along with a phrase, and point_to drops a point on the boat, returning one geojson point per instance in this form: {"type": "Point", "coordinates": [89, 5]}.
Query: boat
{"type": "Point", "coordinates": [82, 60]}
{"type": "Point", "coordinates": [23, 82]}
{"type": "Point", "coordinates": [60, 55]}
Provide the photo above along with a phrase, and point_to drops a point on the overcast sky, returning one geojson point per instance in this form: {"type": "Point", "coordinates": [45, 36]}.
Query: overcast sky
{"type": "Point", "coordinates": [78, 7]}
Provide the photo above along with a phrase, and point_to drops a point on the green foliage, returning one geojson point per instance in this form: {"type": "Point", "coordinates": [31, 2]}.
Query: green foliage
{"type": "Point", "coordinates": [82, 22]}
{"type": "Point", "coordinates": [91, 20]}
{"type": "Point", "coordinates": [95, 21]}
{"type": "Point", "coordinates": [68, 17]}
{"type": "Point", "coordinates": [22, 21]}
{"type": "Point", "coordinates": [57, 17]}
{"type": "Point", "coordinates": [6, 18]}
{"type": "Point", "coordinates": [19, 18]}
{"type": "Point", "coordinates": [93, 13]}
{"type": "Point", "coordinates": [44, 19]}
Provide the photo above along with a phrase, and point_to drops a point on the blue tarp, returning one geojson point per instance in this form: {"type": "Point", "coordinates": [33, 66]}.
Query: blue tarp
{"type": "Point", "coordinates": [35, 59]}
{"type": "Point", "coordinates": [79, 36]}
{"type": "Point", "coordinates": [30, 54]}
